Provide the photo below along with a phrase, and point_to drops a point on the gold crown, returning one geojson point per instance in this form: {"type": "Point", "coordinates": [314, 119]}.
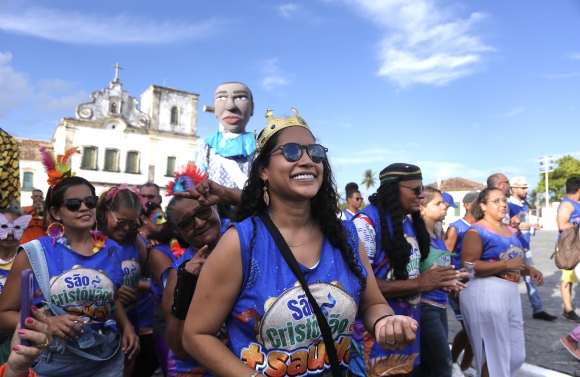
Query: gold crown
{"type": "Point", "coordinates": [276, 125]}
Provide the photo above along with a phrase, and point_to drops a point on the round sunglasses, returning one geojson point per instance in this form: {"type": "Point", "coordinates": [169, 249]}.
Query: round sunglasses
{"type": "Point", "coordinates": [188, 223]}
{"type": "Point", "coordinates": [74, 204]}
{"type": "Point", "coordinates": [293, 152]}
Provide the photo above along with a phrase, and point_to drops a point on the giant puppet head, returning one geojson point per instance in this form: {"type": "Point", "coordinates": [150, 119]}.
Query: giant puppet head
{"type": "Point", "coordinates": [234, 105]}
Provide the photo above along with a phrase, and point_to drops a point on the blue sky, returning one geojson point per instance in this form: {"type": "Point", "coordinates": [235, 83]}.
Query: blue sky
{"type": "Point", "coordinates": [460, 88]}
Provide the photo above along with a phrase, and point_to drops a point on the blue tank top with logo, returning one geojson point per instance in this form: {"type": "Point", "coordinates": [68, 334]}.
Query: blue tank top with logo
{"type": "Point", "coordinates": [82, 285]}
{"type": "Point", "coordinates": [368, 352]}
{"type": "Point", "coordinates": [174, 365]}
{"type": "Point", "coordinates": [437, 297]}
{"type": "Point", "coordinates": [131, 274]}
{"type": "Point", "coordinates": [165, 249]}
{"type": "Point", "coordinates": [461, 226]}
{"type": "Point", "coordinates": [272, 327]}
{"type": "Point", "coordinates": [496, 247]}
{"type": "Point", "coordinates": [3, 276]}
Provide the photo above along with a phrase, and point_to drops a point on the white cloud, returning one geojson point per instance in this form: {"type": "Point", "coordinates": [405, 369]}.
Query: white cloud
{"type": "Point", "coordinates": [574, 56]}
{"type": "Point", "coordinates": [76, 27]}
{"type": "Point", "coordinates": [273, 76]}
{"type": "Point", "coordinates": [423, 42]}
{"type": "Point", "coordinates": [513, 112]}
{"type": "Point", "coordinates": [66, 104]}
{"type": "Point", "coordinates": [14, 86]}
{"type": "Point", "coordinates": [289, 10]}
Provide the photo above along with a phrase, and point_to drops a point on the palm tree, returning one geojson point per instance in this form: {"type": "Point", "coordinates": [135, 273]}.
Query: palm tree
{"type": "Point", "coordinates": [369, 180]}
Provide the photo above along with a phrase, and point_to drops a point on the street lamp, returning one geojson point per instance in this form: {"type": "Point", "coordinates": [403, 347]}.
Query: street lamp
{"type": "Point", "coordinates": [546, 165]}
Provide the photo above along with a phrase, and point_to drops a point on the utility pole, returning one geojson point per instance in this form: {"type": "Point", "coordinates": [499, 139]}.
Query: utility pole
{"type": "Point", "coordinates": [546, 165]}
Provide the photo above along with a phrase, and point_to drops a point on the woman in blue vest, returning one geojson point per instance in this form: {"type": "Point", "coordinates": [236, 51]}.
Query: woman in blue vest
{"type": "Point", "coordinates": [246, 283]}
{"type": "Point", "coordinates": [77, 274]}
{"type": "Point", "coordinates": [118, 213]}
{"type": "Point", "coordinates": [435, 353]}
{"type": "Point", "coordinates": [491, 305]}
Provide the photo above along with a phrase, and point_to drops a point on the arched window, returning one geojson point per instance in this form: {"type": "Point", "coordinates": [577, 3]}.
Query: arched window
{"type": "Point", "coordinates": [27, 181]}
{"type": "Point", "coordinates": [174, 115]}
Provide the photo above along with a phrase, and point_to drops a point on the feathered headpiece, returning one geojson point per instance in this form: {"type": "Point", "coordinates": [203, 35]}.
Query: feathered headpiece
{"type": "Point", "coordinates": [113, 191]}
{"type": "Point", "coordinates": [185, 178]}
{"type": "Point", "coordinates": [57, 169]}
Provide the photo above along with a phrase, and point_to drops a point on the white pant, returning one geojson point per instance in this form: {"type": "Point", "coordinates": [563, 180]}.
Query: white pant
{"type": "Point", "coordinates": [492, 313]}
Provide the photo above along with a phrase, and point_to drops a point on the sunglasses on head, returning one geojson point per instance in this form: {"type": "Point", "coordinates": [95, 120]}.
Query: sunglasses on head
{"type": "Point", "coordinates": [149, 197]}
{"type": "Point", "coordinates": [123, 223]}
{"type": "Point", "coordinates": [293, 152]}
{"type": "Point", "coordinates": [188, 223]}
{"type": "Point", "coordinates": [74, 205]}
{"type": "Point", "coordinates": [416, 190]}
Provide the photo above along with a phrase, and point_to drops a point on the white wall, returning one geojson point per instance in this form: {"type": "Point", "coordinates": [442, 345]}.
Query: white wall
{"type": "Point", "coordinates": [39, 179]}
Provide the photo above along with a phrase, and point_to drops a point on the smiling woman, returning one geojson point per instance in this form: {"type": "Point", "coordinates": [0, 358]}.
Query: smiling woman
{"type": "Point", "coordinates": [77, 273]}
{"type": "Point", "coordinates": [249, 285]}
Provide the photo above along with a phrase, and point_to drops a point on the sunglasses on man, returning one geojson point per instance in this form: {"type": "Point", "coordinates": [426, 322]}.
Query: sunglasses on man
{"type": "Point", "coordinates": [416, 190]}
{"type": "Point", "coordinates": [293, 152]}
{"type": "Point", "coordinates": [149, 197]}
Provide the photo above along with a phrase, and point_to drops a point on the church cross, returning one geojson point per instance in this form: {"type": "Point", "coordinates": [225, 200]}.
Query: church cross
{"type": "Point", "coordinates": [117, 68]}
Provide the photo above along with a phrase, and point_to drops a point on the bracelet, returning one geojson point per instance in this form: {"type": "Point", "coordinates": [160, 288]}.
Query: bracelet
{"type": "Point", "coordinates": [255, 374]}
{"type": "Point", "coordinates": [377, 321]}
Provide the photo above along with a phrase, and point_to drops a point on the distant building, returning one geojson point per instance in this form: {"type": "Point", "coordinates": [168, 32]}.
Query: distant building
{"type": "Point", "coordinates": [32, 175]}
{"type": "Point", "coordinates": [121, 143]}
{"type": "Point", "coordinates": [457, 188]}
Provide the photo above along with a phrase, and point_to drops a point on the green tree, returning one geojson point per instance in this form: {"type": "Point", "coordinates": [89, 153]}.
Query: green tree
{"type": "Point", "coordinates": [369, 181]}
{"type": "Point", "coordinates": [568, 167]}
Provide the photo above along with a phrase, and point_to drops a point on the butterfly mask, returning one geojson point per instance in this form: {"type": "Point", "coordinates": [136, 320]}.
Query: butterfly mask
{"type": "Point", "coordinates": [16, 227]}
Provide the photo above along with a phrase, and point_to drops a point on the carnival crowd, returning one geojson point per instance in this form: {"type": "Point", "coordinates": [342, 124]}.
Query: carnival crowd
{"type": "Point", "coordinates": [251, 269]}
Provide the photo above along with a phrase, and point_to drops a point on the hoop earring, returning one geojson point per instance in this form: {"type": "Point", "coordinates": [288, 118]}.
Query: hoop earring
{"type": "Point", "coordinates": [55, 230]}
{"type": "Point", "coordinates": [266, 195]}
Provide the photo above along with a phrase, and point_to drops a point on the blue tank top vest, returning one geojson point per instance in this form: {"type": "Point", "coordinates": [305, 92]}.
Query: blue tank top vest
{"type": "Point", "coordinates": [461, 226]}
{"type": "Point", "coordinates": [437, 297]}
{"type": "Point", "coordinates": [575, 217]}
{"type": "Point", "coordinates": [365, 343]}
{"type": "Point", "coordinates": [497, 247]}
{"type": "Point", "coordinates": [523, 212]}
{"type": "Point", "coordinates": [3, 277]}
{"type": "Point", "coordinates": [155, 288]}
{"type": "Point", "coordinates": [131, 274]}
{"type": "Point", "coordinates": [175, 366]}
{"type": "Point", "coordinates": [272, 327]}
{"type": "Point", "coordinates": [82, 285]}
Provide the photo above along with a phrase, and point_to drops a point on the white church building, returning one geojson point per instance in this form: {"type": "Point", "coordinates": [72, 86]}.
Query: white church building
{"type": "Point", "coordinates": [122, 143]}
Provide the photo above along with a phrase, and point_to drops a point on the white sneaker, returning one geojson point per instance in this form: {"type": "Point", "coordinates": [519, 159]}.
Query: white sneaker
{"type": "Point", "coordinates": [469, 372]}
{"type": "Point", "coordinates": [456, 371]}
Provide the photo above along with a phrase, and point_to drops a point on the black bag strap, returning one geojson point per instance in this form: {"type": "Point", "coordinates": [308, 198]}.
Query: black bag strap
{"type": "Point", "coordinates": [293, 264]}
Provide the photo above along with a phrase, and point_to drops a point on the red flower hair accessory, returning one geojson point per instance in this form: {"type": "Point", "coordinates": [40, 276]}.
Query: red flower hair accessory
{"type": "Point", "coordinates": [185, 178]}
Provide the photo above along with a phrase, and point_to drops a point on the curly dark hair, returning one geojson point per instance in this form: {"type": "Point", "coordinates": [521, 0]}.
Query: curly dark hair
{"type": "Point", "coordinates": [386, 199]}
{"type": "Point", "coordinates": [324, 207]}
{"type": "Point", "coordinates": [476, 210]}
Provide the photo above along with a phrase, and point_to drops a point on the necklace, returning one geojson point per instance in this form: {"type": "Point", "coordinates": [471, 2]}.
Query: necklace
{"type": "Point", "coordinates": [309, 234]}
{"type": "Point", "coordinates": [5, 262]}
{"type": "Point", "coordinates": [497, 224]}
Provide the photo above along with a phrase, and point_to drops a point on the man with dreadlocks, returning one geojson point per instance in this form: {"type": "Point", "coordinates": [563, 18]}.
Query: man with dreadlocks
{"type": "Point", "coordinates": [396, 240]}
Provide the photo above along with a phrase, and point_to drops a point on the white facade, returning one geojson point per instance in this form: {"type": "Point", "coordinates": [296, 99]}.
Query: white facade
{"type": "Point", "coordinates": [122, 144]}
{"type": "Point", "coordinates": [32, 174]}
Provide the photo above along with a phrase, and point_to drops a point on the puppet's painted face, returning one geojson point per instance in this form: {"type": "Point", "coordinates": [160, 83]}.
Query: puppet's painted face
{"type": "Point", "coordinates": [233, 106]}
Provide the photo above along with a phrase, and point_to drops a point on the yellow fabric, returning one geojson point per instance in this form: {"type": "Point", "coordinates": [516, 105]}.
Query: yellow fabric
{"type": "Point", "coordinates": [569, 276]}
{"type": "Point", "coordinates": [9, 172]}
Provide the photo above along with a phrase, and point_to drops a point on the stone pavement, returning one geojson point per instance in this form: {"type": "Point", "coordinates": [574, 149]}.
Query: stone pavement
{"type": "Point", "coordinates": [543, 347]}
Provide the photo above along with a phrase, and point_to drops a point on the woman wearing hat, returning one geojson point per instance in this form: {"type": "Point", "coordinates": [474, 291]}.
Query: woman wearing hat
{"type": "Point", "coordinates": [248, 284]}
{"type": "Point", "coordinates": [396, 240]}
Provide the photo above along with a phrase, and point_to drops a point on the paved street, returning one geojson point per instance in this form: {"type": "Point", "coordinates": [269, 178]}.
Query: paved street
{"type": "Point", "coordinates": [543, 348]}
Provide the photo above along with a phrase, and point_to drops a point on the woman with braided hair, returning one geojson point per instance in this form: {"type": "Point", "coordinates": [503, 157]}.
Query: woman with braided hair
{"type": "Point", "coordinates": [247, 283]}
{"type": "Point", "coordinates": [396, 240]}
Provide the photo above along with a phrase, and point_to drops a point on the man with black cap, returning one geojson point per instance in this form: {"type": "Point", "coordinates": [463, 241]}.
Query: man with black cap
{"type": "Point", "coordinates": [396, 241]}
